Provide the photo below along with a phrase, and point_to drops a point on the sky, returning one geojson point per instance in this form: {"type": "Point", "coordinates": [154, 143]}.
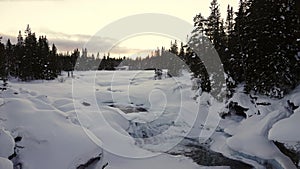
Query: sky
{"type": "Point", "coordinates": [70, 24]}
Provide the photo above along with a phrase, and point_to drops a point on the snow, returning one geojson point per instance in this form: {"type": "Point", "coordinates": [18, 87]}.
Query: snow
{"type": "Point", "coordinates": [286, 130]}
{"type": "Point", "coordinates": [1, 101]}
{"type": "Point", "coordinates": [7, 144]}
{"type": "Point", "coordinates": [59, 131]}
{"type": "Point", "coordinates": [162, 161]}
{"type": "Point", "coordinates": [253, 136]}
{"type": "Point", "coordinates": [132, 120]}
{"type": "Point", "coordinates": [171, 111]}
{"type": "Point", "coordinates": [5, 163]}
{"type": "Point", "coordinates": [252, 140]}
{"type": "Point", "coordinates": [48, 137]}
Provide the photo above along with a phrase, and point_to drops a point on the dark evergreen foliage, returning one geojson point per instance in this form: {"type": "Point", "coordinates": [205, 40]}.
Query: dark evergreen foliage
{"type": "Point", "coordinates": [3, 63]}
{"type": "Point", "coordinates": [260, 49]}
{"type": "Point", "coordinates": [29, 59]}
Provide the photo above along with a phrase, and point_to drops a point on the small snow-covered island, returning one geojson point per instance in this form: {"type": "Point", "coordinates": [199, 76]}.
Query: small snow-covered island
{"type": "Point", "coordinates": [226, 97]}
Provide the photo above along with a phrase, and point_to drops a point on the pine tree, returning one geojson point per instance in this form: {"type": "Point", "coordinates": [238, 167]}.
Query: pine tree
{"type": "Point", "coordinates": [73, 58]}
{"type": "Point", "coordinates": [229, 21]}
{"type": "Point", "coordinates": [39, 68]}
{"type": "Point", "coordinates": [270, 63]}
{"type": "Point", "coordinates": [223, 47]}
{"type": "Point", "coordinates": [236, 45]}
{"type": "Point", "coordinates": [19, 54]}
{"type": "Point", "coordinates": [3, 62]}
{"type": "Point", "coordinates": [11, 58]}
{"type": "Point", "coordinates": [30, 54]}
{"type": "Point", "coordinates": [174, 48]}
{"type": "Point", "coordinates": [54, 62]}
{"type": "Point", "coordinates": [173, 60]}
{"type": "Point", "coordinates": [45, 59]}
{"type": "Point", "coordinates": [213, 24]}
{"type": "Point", "coordinates": [200, 24]}
{"type": "Point", "coordinates": [20, 39]}
{"type": "Point", "coordinates": [197, 44]}
{"type": "Point", "coordinates": [228, 55]}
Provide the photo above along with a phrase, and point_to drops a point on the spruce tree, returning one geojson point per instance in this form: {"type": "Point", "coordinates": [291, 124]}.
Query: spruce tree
{"type": "Point", "coordinates": [236, 45]}
{"type": "Point", "coordinates": [29, 59]}
{"type": "Point", "coordinates": [3, 62]}
{"type": "Point", "coordinates": [54, 65]}
{"type": "Point", "coordinates": [229, 21]}
{"type": "Point", "coordinates": [19, 54]}
{"type": "Point", "coordinates": [213, 24]}
{"type": "Point", "coordinates": [11, 58]}
{"type": "Point", "coordinates": [270, 63]}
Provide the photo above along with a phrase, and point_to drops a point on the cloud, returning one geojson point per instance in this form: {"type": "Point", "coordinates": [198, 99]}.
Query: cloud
{"type": "Point", "coordinates": [94, 44]}
{"type": "Point", "coordinates": [13, 39]}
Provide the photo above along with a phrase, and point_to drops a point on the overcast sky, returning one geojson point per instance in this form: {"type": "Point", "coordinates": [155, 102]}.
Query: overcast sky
{"type": "Point", "coordinates": [70, 23]}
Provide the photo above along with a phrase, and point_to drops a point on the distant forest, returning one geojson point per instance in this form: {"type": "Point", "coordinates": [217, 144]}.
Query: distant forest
{"type": "Point", "coordinates": [259, 46]}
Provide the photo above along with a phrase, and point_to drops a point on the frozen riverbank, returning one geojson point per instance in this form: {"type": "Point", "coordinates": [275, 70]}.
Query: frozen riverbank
{"type": "Point", "coordinates": [132, 120]}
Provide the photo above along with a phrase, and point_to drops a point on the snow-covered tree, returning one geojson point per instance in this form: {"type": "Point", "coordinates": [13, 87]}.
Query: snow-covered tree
{"type": "Point", "coordinates": [273, 33]}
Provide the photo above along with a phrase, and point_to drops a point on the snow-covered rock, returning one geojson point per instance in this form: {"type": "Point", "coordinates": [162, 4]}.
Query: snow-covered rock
{"type": "Point", "coordinates": [5, 163]}
{"type": "Point", "coordinates": [276, 121]}
{"type": "Point", "coordinates": [286, 130]}
{"type": "Point", "coordinates": [50, 140]}
{"type": "Point", "coordinates": [7, 144]}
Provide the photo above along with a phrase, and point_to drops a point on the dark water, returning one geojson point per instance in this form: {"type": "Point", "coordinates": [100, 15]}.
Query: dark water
{"type": "Point", "coordinates": [202, 155]}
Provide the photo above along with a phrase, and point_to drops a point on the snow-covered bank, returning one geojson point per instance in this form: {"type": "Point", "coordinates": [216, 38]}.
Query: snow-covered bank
{"type": "Point", "coordinates": [130, 120]}
{"type": "Point", "coordinates": [253, 137]}
{"type": "Point", "coordinates": [42, 115]}
{"type": "Point", "coordinates": [49, 138]}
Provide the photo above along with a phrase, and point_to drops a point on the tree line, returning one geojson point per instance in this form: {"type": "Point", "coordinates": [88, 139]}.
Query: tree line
{"type": "Point", "coordinates": [31, 58]}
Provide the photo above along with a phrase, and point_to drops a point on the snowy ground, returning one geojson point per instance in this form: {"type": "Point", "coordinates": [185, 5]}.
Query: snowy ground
{"type": "Point", "coordinates": [130, 120]}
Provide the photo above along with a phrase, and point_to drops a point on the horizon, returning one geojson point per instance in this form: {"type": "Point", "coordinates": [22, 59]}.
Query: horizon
{"type": "Point", "coordinates": [70, 24]}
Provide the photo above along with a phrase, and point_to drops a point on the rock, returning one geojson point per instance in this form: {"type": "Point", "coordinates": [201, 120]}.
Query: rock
{"type": "Point", "coordinates": [86, 104]}
{"type": "Point", "coordinates": [235, 109]}
{"type": "Point", "coordinates": [90, 162]}
{"type": "Point", "coordinates": [18, 139]}
{"type": "Point", "coordinates": [292, 105]}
